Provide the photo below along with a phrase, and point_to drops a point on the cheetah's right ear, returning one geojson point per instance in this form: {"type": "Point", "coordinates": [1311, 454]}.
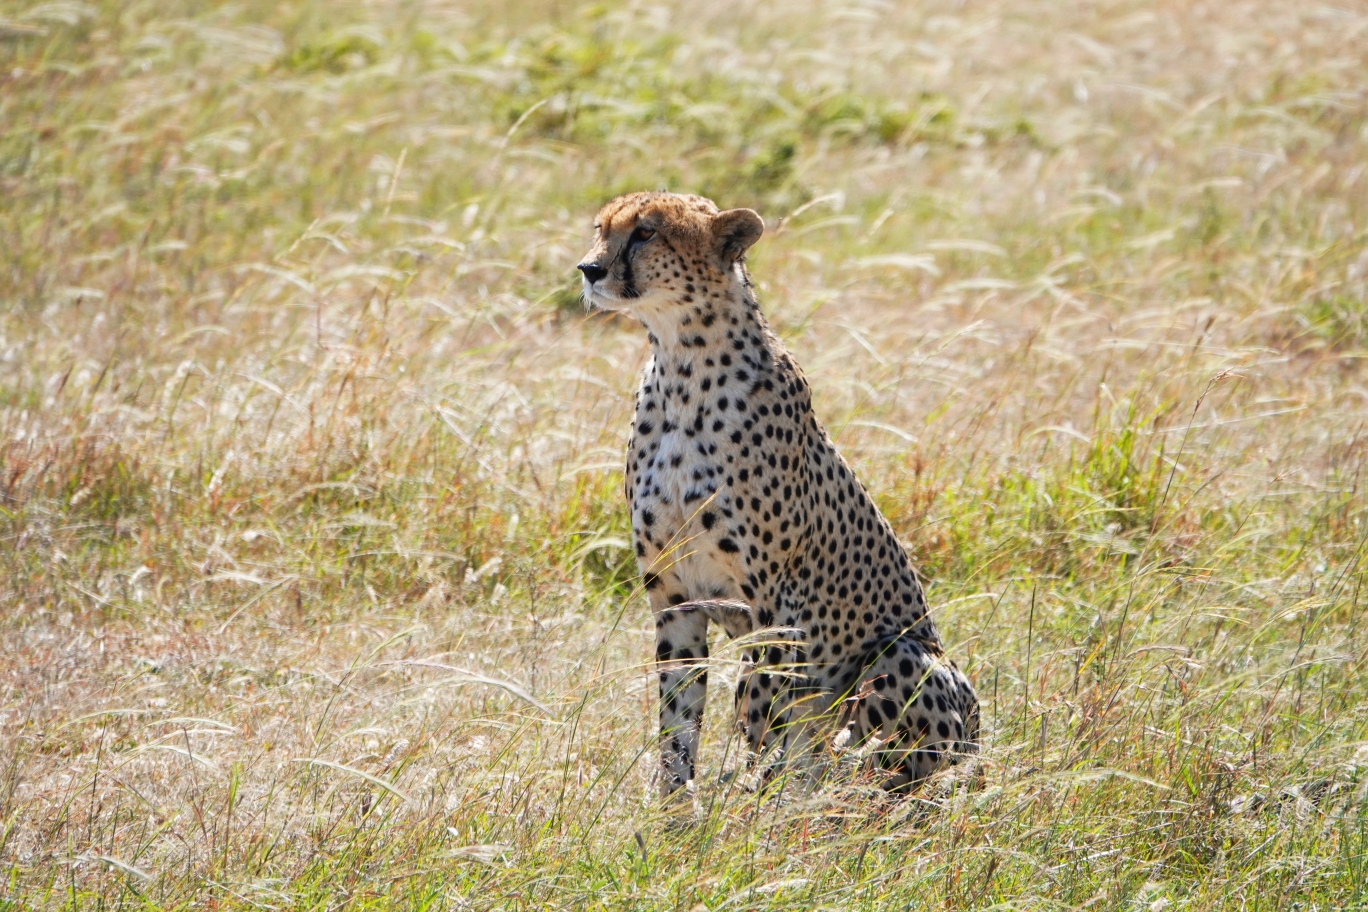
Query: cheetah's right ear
{"type": "Point", "coordinates": [735, 230]}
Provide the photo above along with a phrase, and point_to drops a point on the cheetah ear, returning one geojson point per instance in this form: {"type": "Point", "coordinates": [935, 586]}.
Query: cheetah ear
{"type": "Point", "coordinates": [735, 230]}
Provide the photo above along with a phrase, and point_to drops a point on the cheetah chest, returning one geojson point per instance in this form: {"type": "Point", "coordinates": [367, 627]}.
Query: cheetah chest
{"type": "Point", "coordinates": [678, 498]}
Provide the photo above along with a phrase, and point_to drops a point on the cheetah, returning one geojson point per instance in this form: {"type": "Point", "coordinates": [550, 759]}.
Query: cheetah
{"type": "Point", "coordinates": [745, 515]}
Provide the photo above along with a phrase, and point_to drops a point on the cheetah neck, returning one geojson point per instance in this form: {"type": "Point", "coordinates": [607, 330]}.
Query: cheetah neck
{"type": "Point", "coordinates": [701, 342]}
{"type": "Point", "coordinates": [697, 343]}
{"type": "Point", "coordinates": [695, 327]}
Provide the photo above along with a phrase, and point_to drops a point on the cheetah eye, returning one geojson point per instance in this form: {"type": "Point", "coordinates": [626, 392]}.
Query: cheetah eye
{"type": "Point", "coordinates": [641, 235]}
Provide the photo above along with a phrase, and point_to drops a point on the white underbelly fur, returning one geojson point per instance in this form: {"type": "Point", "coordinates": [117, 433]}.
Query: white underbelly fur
{"type": "Point", "coordinates": [692, 554]}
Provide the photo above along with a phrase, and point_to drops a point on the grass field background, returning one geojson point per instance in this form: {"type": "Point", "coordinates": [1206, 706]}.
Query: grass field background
{"type": "Point", "coordinates": [313, 558]}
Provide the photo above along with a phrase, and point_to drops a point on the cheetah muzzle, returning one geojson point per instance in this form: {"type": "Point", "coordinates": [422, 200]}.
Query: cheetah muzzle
{"type": "Point", "coordinates": [745, 515]}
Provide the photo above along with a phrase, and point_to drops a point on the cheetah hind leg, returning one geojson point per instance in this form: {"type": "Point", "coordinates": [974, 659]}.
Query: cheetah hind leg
{"type": "Point", "coordinates": [921, 708]}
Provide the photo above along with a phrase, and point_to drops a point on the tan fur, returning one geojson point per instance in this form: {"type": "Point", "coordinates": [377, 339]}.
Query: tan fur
{"type": "Point", "coordinates": [744, 513]}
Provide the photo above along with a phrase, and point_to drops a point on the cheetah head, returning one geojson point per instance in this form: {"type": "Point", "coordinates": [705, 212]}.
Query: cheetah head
{"type": "Point", "coordinates": [653, 251]}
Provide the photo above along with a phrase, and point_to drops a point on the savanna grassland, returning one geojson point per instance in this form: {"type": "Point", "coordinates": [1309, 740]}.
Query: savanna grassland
{"type": "Point", "coordinates": [313, 557]}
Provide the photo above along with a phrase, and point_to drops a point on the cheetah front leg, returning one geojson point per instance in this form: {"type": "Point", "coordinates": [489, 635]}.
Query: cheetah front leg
{"type": "Point", "coordinates": [777, 703]}
{"type": "Point", "coordinates": [681, 656]}
{"type": "Point", "coordinates": [681, 662]}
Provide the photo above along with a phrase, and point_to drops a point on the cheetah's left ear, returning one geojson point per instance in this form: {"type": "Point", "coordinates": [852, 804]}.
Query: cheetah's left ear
{"type": "Point", "coordinates": [735, 230]}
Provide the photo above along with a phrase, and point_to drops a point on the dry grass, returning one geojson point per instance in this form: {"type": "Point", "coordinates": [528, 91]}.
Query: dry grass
{"type": "Point", "coordinates": [313, 550]}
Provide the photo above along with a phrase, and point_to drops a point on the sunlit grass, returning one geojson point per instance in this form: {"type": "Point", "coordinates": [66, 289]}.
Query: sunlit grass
{"type": "Point", "coordinates": [312, 546]}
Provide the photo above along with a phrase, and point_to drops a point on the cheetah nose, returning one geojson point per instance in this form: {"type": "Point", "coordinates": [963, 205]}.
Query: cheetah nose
{"type": "Point", "coordinates": [592, 271]}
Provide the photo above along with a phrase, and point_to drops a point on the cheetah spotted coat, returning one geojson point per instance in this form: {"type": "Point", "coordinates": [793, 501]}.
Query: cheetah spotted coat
{"type": "Point", "coordinates": [744, 514]}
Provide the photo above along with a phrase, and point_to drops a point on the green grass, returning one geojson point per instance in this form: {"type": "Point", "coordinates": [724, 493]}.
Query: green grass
{"type": "Point", "coordinates": [312, 548]}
